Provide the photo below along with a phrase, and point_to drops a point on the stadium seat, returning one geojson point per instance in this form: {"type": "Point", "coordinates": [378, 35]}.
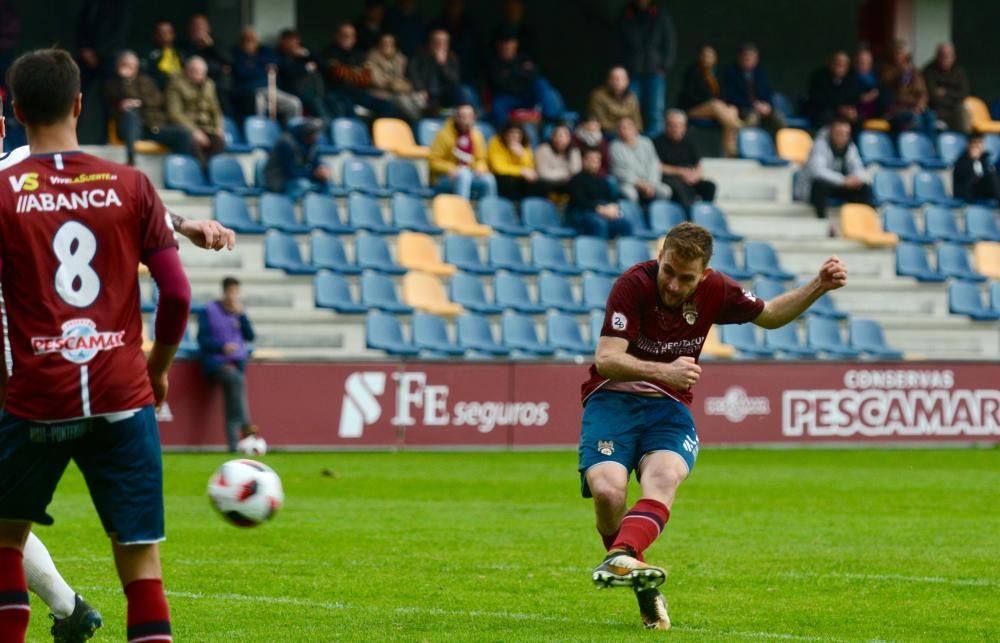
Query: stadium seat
{"type": "Point", "coordinates": [867, 337]}
{"type": "Point", "coordinates": [995, 297]}
{"type": "Point", "coordinates": [916, 147]}
{"type": "Point", "coordinates": [385, 333]}
{"type": "Point", "coordinates": [911, 261]}
{"type": "Point", "coordinates": [986, 255]}
{"type": "Point", "coordinates": [563, 333]}
{"type": "Point", "coordinates": [540, 215]}
{"type": "Point", "coordinates": [743, 337]}
{"type": "Point", "coordinates": [372, 253]}
{"type": "Point", "coordinates": [511, 291]}
{"type": "Point", "coordinates": [427, 130]}
{"type": "Point", "coordinates": [889, 188]}
{"type": "Point", "coordinates": [876, 147]}
{"type": "Point", "coordinates": [351, 134]}
{"type": "Point", "coordinates": [402, 176]}
{"type": "Point", "coordinates": [991, 142]}
{"type": "Point", "coordinates": [929, 188]}
{"type": "Point", "coordinates": [555, 291]}
{"type": "Point", "coordinates": [505, 254]}
{"type": "Point", "coordinates": [825, 336]}
{"type": "Point", "coordinates": [632, 213]}
{"type": "Point", "coordinates": [327, 252]}
{"type": "Point", "coordinates": [379, 292]}
{"type": "Point", "coordinates": [876, 125]}
{"type": "Point", "coordinates": [225, 173]}
{"type": "Point", "coordinates": [235, 143]}
{"type": "Point", "coordinates": [965, 298]}
{"type": "Point", "coordinates": [711, 217]}
{"type": "Point", "coordinates": [981, 223]}
{"type": "Point", "coordinates": [486, 129]}
{"type": "Point", "coordinates": [182, 172]}
{"type": "Point", "coordinates": [454, 213]}
{"type": "Point", "coordinates": [395, 136]}
{"type": "Point", "coordinates": [548, 253]}
{"type": "Point", "coordinates": [631, 251]}
{"type": "Point", "coordinates": [324, 146]}
{"type": "Point", "coordinates": [277, 212]}
{"type": "Point", "coordinates": [463, 253]}
{"type": "Point", "coordinates": [785, 339]}
{"type": "Point", "coordinates": [417, 251]}
{"type": "Point", "coordinates": [364, 213]}
{"type": "Point", "coordinates": [951, 146]}
{"type": "Point", "coordinates": [596, 289]}
{"type": "Point", "coordinates": [979, 114]}
{"type": "Point", "coordinates": [754, 143]}
{"type": "Point", "coordinates": [475, 333]}
{"type": "Point", "coordinates": [713, 348]}
{"type": "Point", "coordinates": [359, 176]}
{"type": "Point", "coordinates": [430, 333]}
{"type": "Point", "coordinates": [596, 324]}
{"type": "Point", "coordinates": [664, 215]}
{"type": "Point", "coordinates": [409, 213]}
{"type": "Point", "coordinates": [784, 105]}
{"type": "Point", "coordinates": [860, 222]}
{"type": "Point", "coordinates": [320, 212]}
{"type": "Point", "coordinates": [940, 225]}
{"type": "Point", "coordinates": [592, 255]}
{"type": "Point", "coordinates": [767, 289]}
{"type": "Point", "coordinates": [467, 291]}
{"type": "Point", "coordinates": [724, 260]}
{"type": "Point", "coordinates": [901, 222]}
{"type": "Point", "coordinates": [499, 213]}
{"type": "Point", "coordinates": [258, 172]}
{"type": "Point", "coordinates": [232, 212]}
{"type": "Point", "coordinates": [761, 259]}
{"type": "Point", "coordinates": [332, 291]}
{"type": "Point", "coordinates": [518, 332]}
{"type": "Point", "coordinates": [826, 306]}
{"type": "Point", "coordinates": [794, 145]}
{"type": "Point", "coordinates": [260, 133]}
{"type": "Point", "coordinates": [426, 293]}
{"type": "Point", "coordinates": [281, 251]}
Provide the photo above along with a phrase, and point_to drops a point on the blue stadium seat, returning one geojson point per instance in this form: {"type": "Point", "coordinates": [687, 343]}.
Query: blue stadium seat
{"type": "Point", "coordinates": [995, 296]}
{"type": "Point", "coordinates": [385, 333]}
{"type": "Point", "coordinates": [327, 251]}
{"type": "Point", "coordinates": [510, 291]}
{"type": "Point", "coordinates": [259, 166]}
{"type": "Point", "coordinates": [631, 251]}
{"type": "Point", "coordinates": [277, 212]}
{"type": "Point", "coordinates": [953, 261]}
{"type": "Point", "coordinates": [711, 217]}
{"type": "Point", "coordinates": [632, 213]}
{"type": "Point", "coordinates": [475, 333]}
{"type": "Point", "coordinates": [352, 135]}
{"type": "Point", "coordinates": [402, 176]}
{"type": "Point", "coordinates": [235, 144]}
{"type": "Point", "coordinates": [364, 213]}
{"type": "Point", "coordinates": [463, 253]}
{"type": "Point", "coordinates": [767, 289]}
{"type": "Point", "coordinates": [724, 260]}
{"type": "Point", "coordinates": [372, 253]}
{"type": "Point", "coordinates": [281, 251]}
{"type": "Point", "coordinates": [824, 335]}
{"type": "Point", "coordinates": [826, 306]}
{"type": "Point", "coordinates": [965, 298]}
{"type": "Point", "coordinates": [430, 333]}
{"type": "Point", "coordinates": [505, 253]}
{"type": "Point", "coordinates": [498, 213]}
{"type": "Point", "coordinates": [911, 261]}
{"type": "Point", "coordinates": [783, 105]}
{"type": "Point", "coordinates": [539, 214]}
{"type": "Point", "coordinates": [991, 142]}
{"type": "Point", "coordinates": [182, 172]}
{"type": "Point", "coordinates": [225, 173]}
{"type": "Point", "coordinates": [410, 213]}
{"type": "Point", "coordinates": [260, 133]}
{"type": "Point", "coordinates": [359, 176]}
{"type": "Point", "coordinates": [901, 222]}
{"type": "Point", "coordinates": [940, 225]}
{"type": "Point", "coordinates": [320, 212]}
{"type": "Point", "coordinates": [867, 337]}
{"type": "Point", "coordinates": [877, 147]}
{"type": "Point", "coordinates": [786, 340]}
{"type": "Point", "coordinates": [548, 253]}
{"type": "Point", "coordinates": [467, 291]}
{"type": "Point", "coordinates": [518, 332]}
{"type": "Point", "coordinates": [743, 337]}
{"type": "Point", "coordinates": [889, 188]}
{"type": "Point", "coordinates": [427, 130]}
{"type": "Point", "coordinates": [148, 305]}
{"type": "Point", "coordinates": [379, 292]}
{"type": "Point", "coordinates": [555, 291]}
{"type": "Point", "coordinates": [232, 212]}
{"type": "Point", "coordinates": [929, 188]}
{"type": "Point", "coordinates": [486, 129]}
{"type": "Point", "coordinates": [592, 255]}
{"type": "Point", "coordinates": [951, 145]}
{"type": "Point", "coordinates": [596, 324]}
{"type": "Point", "coordinates": [917, 148]}
{"type": "Point", "coordinates": [596, 289]}
{"type": "Point", "coordinates": [981, 223]}
{"type": "Point", "coordinates": [332, 291]}
{"type": "Point", "coordinates": [563, 333]}
{"type": "Point", "coordinates": [754, 143]}
{"type": "Point", "coordinates": [188, 348]}
{"type": "Point", "coordinates": [664, 215]}
{"type": "Point", "coordinates": [761, 259]}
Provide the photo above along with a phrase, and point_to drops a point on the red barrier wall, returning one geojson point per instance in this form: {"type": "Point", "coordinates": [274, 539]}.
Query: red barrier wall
{"type": "Point", "coordinates": [435, 404]}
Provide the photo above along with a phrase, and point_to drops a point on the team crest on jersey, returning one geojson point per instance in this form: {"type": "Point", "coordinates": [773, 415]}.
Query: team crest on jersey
{"type": "Point", "coordinates": [618, 321]}
{"type": "Point", "coordinates": [690, 313]}
{"type": "Point", "coordinates": [80, 341]}
{"type": "Point", "coordinates": [606, 447]}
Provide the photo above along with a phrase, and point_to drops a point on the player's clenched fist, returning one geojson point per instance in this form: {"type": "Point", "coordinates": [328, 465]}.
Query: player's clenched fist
{"type": "Point", "coordinates": [833, 274]}
{"type": "Point", "coordinates": [682, 373]}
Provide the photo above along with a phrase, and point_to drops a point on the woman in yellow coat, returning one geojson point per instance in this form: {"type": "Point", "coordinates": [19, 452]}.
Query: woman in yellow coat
{"type": "Point", "coordinates": [513, 164]}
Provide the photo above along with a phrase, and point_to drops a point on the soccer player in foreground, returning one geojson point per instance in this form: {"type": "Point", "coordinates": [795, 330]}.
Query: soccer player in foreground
{"type": "Point", "coordinates": [73, 229]}
{"type": "Point", "coordinates": [636, 415]}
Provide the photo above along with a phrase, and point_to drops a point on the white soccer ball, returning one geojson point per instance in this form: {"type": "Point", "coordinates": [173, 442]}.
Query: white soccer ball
{"type": "Point", "coordinates": [246, 492]}
{"type": "Point", "coordinates": [252, 445]}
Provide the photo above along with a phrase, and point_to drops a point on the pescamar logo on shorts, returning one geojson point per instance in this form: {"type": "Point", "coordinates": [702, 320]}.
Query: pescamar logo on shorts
{"type": "Point", "coordinates": [606, 447]}
{"type": "Point", "coordinates": [618, 321]}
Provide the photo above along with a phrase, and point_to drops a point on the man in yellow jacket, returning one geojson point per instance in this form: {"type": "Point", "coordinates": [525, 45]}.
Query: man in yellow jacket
{"type": "Point", "coordinates": [458, 157]}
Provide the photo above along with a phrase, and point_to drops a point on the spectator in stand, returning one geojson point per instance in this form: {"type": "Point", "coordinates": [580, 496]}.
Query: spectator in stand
{"type": "Point", "coordinates": [974, 176]}
{"type": "Point", "coordinates": [907, 94]}
{"type": "Point", "coordinates": [744, 84]}
{"type": "Point", "coordinates": [137, 105]}
{"type": "Point", "coordinates": [588, 135]}
{"type": "Point", "coordinates": [458, 157]}
{"type": "Point", "coordinates": [870, 101]}
{"type": "Point", "coordinates": [193, 104]}
{"type": "Point", "coordinates": [947, 88]}
{"type": "Point", "coordinates": [435, 73]}
{"type": "Point", "coordinates": [102, 30]}
{"type": "Point", "coordinates": [464, 38]}
{"type": "Point", "coordinates": [557, 160]}
{"type": "Point", "coordinates": [701, 98]}
{"type": "Point", "coordinates": [389, 82]}
{"type": "Point", "coordinates": [635, 164]}
{"type": "Point", "coordinates": [513, 164]}
{"type": "Point", "coordinates": [513, 22]}
{"type": "Point", "coordinates": [298, 74]}
{"type": "Point", "coordinates": [163, 61]}
{"type": "Point", "coordinates": [834, 169]}
{"type": "Point", "coordinates": [517, 84]}
{"type": "Point", "coordinates": [348, 79]}
{"type": "Point", "coordinates": [648, 47]}
{"type": "Point", "coordinates": [370, 24]}
{"type": "Point", "coordinates": [680, 163]}
{"type": "Point", "coordinates": [613, 101]}
{"type": "Point", "coordinates": [220, 65]}
{"type": "Point", "coordinates": [592, 208]}
{"type": "Point", "coordinates": [834, 91]}
{"type": "Point", "coordinates": [408, 25]}
{"type": "Point", "coordinates": [293, 166]}
{"type": "Point", "coordinates": [252, 62]}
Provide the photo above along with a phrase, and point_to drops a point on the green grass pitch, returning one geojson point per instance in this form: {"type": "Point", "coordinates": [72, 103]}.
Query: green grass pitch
{"type": "Point", "coordinates": [787, 545]}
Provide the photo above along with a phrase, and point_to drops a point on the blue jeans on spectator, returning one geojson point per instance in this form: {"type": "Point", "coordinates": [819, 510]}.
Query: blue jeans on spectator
{"type": "Point", "coordinates": [542, 93]}
{"type": "Point", "coordinates": [651, 90]}
{"type": "Point", "coordinates": [592, 224]}
{"type": "Point", "coordinates": [467, 181]}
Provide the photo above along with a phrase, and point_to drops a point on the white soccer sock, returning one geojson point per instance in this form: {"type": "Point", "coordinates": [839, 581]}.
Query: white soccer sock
{"type": "Point", "coordinates": [44, 578]}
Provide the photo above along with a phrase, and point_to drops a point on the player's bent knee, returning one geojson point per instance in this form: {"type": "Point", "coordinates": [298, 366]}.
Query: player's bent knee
{"type": "Point", "coordinates": [608, 484]}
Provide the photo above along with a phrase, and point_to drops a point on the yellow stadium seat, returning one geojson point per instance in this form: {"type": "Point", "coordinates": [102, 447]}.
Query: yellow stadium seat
{"type": "Point", "coordinates": [454, 213]}
{"type": "Point", "coordinates": [877, 124]}
{"type": "Point", "coordinates": [861, 223]}
{"type": "Point", "coordinates": [417, 251]}
{"type": "Point", "coordinates": [986, 256]}
{"type": "Point", "coordinates": [715, 348]}
{"type": "Point", "coordinates": [794, 145]}
{"type": "Point", "coordinates": [394, 135]}
{"type": "Point", "coordinates": [426, 293]}
{"type": "Point", "coordinates": [979, 114]}
{"type": "Point", "coordinates": [141, 146]}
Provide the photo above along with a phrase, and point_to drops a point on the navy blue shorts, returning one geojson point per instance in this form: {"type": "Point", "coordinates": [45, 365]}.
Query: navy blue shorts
{"type": "Point", "coordinates": [120, 460]}
{"type": "Point", "coordinates": [623, 428]}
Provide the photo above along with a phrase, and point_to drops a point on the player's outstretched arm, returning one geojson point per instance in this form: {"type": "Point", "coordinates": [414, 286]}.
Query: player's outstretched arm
{"type": "Point", "coordinates": [207, 234]}
{"type": "Point", "coordinates": [172, 311]}
{"type": "Point", "coordinates": [613, 362]}
{"type": "Point", "coordinates": [788, 306]}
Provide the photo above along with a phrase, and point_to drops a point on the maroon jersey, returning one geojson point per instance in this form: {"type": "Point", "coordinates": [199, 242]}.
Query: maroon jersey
{"type": "Point", "coordinates": [656, 333]}
{"type": "Point", "coordinates": [73, 229]}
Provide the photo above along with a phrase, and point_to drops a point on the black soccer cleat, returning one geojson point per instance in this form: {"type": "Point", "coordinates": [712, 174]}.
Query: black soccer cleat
{"type": "Point", "coordinates": [653, 608]}
{"type": "Point", "coordinates": [78, 626]}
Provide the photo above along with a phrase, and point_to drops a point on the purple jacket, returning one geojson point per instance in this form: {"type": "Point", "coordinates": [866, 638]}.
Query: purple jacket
{"type": "Point", "coordinates": [216, 328]}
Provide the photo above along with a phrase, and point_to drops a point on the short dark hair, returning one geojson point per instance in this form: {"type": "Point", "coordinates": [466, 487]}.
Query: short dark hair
{"type": "Point", "coordinates": [44, 84]}
{"type": "Point", "coordinates": [689, 241]}
{"type": "Point", "coordinates": [976, 136]}
{"type": "Point", "coordinates": [229, 282]}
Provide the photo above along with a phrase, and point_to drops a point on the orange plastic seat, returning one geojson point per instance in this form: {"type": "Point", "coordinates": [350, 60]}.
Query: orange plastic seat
{"type": "Point", "coordinates": [980, 117]}
{"type": "Point", "coordinates": [426, 293]}
{"type": "Point", "coordinates": [417, 251]}
{"type": "Point", "coordinates": [454, 213]}
{"type": "Point", "coordinates": [861, 223]}
{"type": "Point", "coordinates": [395, 136]}
{"type": "Point", "coordinates": [986, 258]}
{"type": "Point", "coordinates": [794, 144]}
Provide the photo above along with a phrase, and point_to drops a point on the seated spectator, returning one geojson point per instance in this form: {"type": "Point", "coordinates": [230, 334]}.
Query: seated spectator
{"type": "Point", "coordinates": [348, 79]}
{"type": "Point", "coordinates": [947, 88]}
{"type": "Point", "coordinates": [834, 169]}
{"type": "Point", "coordinates": [589, 136]}
{"type": "Point", "coordinates": [220, 65]}
{"type": "Point", "coordinates": [464, 36]}
{"type": "Point", "coordinates": [745, 85]}
{"type": "Point", "coordinates": [298, 74]}
{"type": "Point", "coordinates": [370, 25]}
{"type": "Point", "coordinates": [293, 166]}
{"type": "Point", "coordinates": [435, 73]}
{"type": "Point", "coordinates": [458, 157]}
{"type": "Point", "coordinates": [408, 25]}
{"type": "Point", "coordinates": [635, 164]}
{"type": "Point", "coordinates": [680, 163]}
{"type": "Point", "coordinates": [557, 160]}
{"type": "Point", "coordinates": [513, 164]}
{"type": "Point", "coordinates": [389, 82]}
{"type": "Point", "coordinates": [137, 107]}
{"type": "Point", "coordinates": [193, 104]}
{"type": "Point", "coordinates": [163, 61]}
{"type": "Point", "coordinates": [974, 176]}
{"type": "Point", "coordinates": [833, 91]}
{"type": "Point", "coordinates": [907, 94]}
{"type": "Point", "coordinates": [517, 84]}
{"type": "Point", "coordinates": [592, 208]}
{"type": "Point", "coordinates": [870, 101]}
{"type": "Point", "coordinates": [614, 101]}
{"type": "Point", "coordinates": [251, 64]}
{"type": "Point", "coordinates": [701, 98]}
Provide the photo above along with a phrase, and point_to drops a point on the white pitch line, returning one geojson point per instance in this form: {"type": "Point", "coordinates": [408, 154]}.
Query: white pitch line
{"type": "Point", "coordinates": [940, 580]}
